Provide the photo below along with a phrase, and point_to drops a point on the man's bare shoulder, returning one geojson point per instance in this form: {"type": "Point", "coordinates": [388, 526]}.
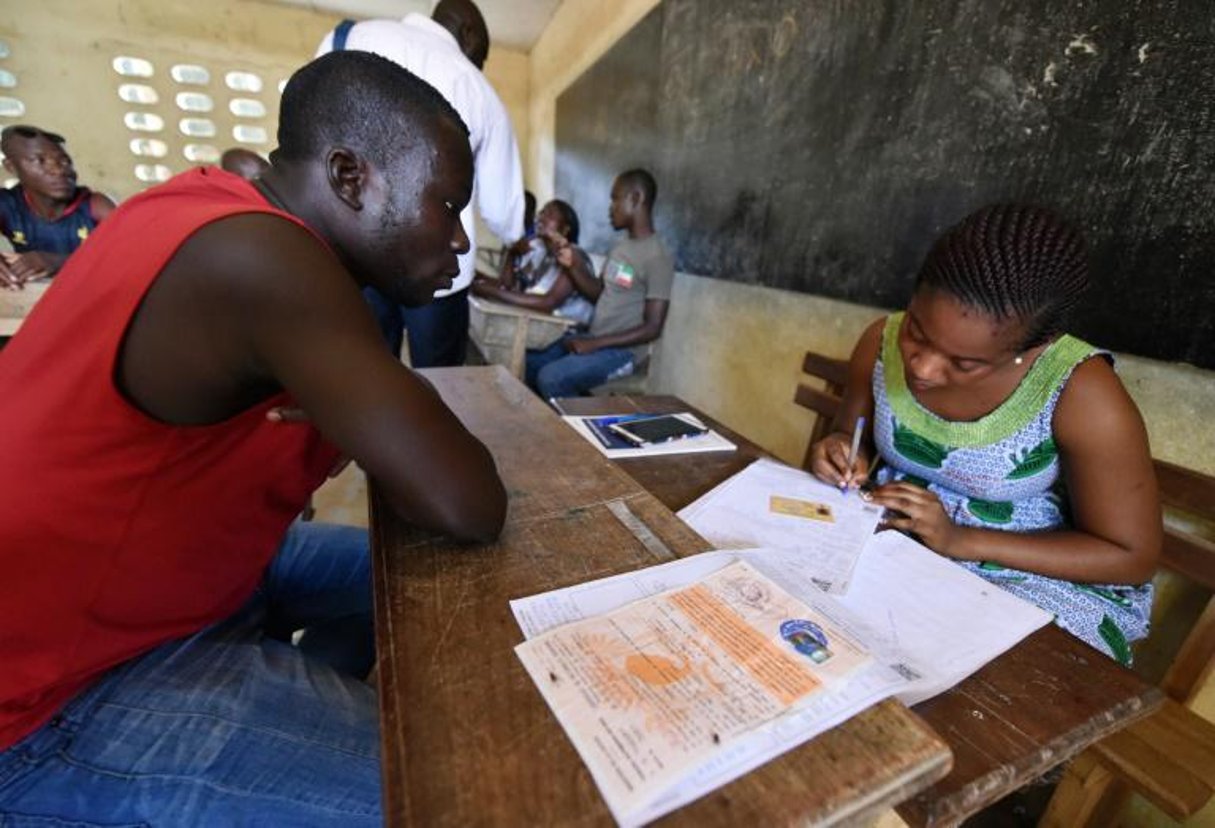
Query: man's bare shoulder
{"type": "Point", "coordinates": [259, 257]}
{"type": "Point", "coordinates": [239, 288]}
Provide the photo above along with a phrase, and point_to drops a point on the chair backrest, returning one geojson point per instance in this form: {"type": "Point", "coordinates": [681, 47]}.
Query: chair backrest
{"type": "Point", "coordinates": [825, 401]}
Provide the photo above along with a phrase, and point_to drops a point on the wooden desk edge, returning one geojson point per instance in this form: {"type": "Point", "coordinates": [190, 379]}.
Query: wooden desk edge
{"type": "Point", "coordinates": [503, 309]}
{"type": "Point", "coordinates": [900, 789]}
{"type": "Point", "coordinates": [925, 809]}
{"type": "Point", "coordinates": [392, 751]}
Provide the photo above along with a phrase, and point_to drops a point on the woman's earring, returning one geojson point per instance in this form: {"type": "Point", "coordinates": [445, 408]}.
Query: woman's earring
{"type": "Point", "coordinates": [1018, 360]}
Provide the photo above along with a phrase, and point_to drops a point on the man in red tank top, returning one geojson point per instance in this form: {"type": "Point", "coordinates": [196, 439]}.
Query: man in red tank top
{"type": "Point", "coordinates": [150, 562]}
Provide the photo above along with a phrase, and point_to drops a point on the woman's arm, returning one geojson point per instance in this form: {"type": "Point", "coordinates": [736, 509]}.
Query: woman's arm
{"type": "Point", "coordinates": [545, 302]}
{"type": "Point", "coordinates": [1111, 484]}
{"type": "Point", "coordinates": [506, 273]}
{"type": "Point", "coordinates": [829, 456]}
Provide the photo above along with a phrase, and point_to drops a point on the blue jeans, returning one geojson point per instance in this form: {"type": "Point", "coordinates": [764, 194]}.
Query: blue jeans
{"type": "Point", "coordinates": [555, 372]}
{"type": "Point", "coordinates": [438, 332]}
{"type": "Point", "coordinates": [230, 726]}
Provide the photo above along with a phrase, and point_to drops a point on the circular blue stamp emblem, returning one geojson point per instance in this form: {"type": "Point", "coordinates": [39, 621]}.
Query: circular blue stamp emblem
{"type": "Point", "coordinates": [807, 638]}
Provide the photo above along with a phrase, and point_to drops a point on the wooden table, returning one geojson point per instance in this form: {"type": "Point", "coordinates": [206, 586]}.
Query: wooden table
{"type": "Point", "coordinates": [503, 333]}
{"type": "Point", "coordinates": [15, 305]}
{"type": "Point", "coordinates": [1021, 715]}
{"type": "Point", "coordinates": [467, 738]}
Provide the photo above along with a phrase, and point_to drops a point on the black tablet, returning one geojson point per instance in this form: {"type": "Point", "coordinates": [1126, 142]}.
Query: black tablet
{"type": "Point", "coordinates": [659, 429]}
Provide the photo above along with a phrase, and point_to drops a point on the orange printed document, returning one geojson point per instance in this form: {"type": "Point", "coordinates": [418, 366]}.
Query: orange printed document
{"type": "Point", "coordinates": [661, 686]}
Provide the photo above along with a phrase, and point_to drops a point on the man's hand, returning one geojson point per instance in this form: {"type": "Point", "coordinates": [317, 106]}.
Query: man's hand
{"type": "Point", "coordinates": [922, 515]}
{"type": "Point", "coordinates": [520, 247]}
{"type": "Point", "coordinates": [285, 414]}
{"type": "Point", "coordinates": [581, 345]}
{"type": "Point", "coordinates": [18, 268]}
{"type": "Point", "coordinates": [8, 279]}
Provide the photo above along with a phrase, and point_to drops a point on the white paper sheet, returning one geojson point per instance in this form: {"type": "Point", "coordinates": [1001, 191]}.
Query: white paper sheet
{"type": "Point", "coordinates": [746, 511]}
{"type": "Point", "coordinates": [661, 687]}
{"type": "Point", "coordinates": [927, 623]}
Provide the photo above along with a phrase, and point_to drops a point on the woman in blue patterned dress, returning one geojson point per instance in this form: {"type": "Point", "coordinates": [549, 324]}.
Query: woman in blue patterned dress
{"type": "Point", "coordinates": [1005, 443]}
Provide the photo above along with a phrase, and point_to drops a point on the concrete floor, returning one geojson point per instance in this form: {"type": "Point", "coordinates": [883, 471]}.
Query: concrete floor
{"type": "Point", "coordinates": [343, 499]}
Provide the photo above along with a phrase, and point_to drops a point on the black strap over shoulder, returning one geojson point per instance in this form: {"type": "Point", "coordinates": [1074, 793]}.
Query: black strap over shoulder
{"type": "Point", "coordinates": [340, 33]}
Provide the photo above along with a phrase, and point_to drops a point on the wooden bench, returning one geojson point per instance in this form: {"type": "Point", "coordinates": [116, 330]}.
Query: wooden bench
{"type": "Point", "coordinates": [1169, 757]}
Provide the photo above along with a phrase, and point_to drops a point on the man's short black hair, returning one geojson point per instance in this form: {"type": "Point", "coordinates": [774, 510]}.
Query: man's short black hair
{"type": "Point", "coordinates": [357, 100]}
{"type": "Point", "coordinates": [26, 131]}
{"type": "Point", "coordinates": [643, 181]}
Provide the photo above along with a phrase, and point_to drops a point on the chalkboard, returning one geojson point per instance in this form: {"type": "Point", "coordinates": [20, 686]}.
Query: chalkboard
{"type": "Point", "coordinates": [822, 146]}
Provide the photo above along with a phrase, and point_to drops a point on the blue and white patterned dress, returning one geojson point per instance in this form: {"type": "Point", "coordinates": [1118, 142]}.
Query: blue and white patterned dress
{"type": "Point", "coordinates": [1002, 472]}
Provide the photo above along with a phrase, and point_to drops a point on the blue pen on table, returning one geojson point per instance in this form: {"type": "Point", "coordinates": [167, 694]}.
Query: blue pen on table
{"type": "Point", "coordinates": [856, 447]}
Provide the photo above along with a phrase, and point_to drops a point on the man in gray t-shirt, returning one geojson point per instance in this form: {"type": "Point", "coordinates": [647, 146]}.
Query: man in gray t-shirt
{"type": "Point", "coordinates": [631, 301]}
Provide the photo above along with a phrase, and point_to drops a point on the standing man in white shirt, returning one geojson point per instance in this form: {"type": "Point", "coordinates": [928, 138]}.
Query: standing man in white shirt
{"type": "Point", "coordinates": [447, 50]}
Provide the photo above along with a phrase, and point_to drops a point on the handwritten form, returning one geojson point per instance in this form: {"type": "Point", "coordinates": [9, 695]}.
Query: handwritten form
{"type": "Point", "coordinates": [912, 625]}
{"type": "Point", "coordinates": [772, 505]}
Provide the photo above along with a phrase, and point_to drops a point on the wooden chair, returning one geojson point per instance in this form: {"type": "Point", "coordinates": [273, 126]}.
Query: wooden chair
{"type": "Point", "coordinates": [1169, 757]}
{"type": "Point", "coordinates": [825, 401]}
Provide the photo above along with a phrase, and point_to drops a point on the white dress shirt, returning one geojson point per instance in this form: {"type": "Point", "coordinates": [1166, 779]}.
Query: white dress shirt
{"type": "Point", "coordinates": [432, 53]}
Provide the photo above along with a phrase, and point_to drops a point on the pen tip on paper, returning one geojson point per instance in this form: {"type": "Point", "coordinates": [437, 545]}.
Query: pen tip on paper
{"type": "Point", "coordinates": [552, 676]}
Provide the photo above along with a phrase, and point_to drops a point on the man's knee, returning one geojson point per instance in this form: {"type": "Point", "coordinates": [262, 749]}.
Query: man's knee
{"type": "Point", "coordinates": [555, 379]}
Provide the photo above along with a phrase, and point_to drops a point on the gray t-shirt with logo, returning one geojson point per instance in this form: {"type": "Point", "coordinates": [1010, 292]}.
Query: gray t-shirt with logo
{"type": "Point", "coordinates": [635, 270]}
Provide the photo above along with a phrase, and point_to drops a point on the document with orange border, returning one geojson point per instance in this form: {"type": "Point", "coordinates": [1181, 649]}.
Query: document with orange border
{"type": "Point", "coordinates": [664, 685]}
{"type": "Point", "coordinates": [924, 623]}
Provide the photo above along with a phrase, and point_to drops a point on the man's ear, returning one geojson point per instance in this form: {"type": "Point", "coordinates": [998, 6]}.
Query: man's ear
{"type": "Point", "coordinates": [347, 172]}
{"type": "Point", "coordinates": [9, 166]}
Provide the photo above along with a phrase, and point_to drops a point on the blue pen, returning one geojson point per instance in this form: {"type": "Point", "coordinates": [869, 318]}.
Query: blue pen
{"type": "Point", "coordinates": [856, 447]}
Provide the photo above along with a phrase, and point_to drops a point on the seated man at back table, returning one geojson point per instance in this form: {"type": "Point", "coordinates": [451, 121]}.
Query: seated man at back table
{"type": "Point", "coordinates": [151, 563]}
{"type": "Point", "coordinates": [631, 300]}
{"type": "Point", "coordinates": [45, 215]}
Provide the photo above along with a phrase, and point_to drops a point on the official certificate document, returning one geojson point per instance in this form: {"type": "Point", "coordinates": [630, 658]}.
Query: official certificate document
{"type": "Point", "coordinates": [675, 679]}
{"type": "Point", "coordinates": [665, 685]}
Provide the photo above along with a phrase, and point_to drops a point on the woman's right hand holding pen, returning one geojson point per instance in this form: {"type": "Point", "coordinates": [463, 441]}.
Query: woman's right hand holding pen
{"type": "Point", "coordinates": [829, 461]}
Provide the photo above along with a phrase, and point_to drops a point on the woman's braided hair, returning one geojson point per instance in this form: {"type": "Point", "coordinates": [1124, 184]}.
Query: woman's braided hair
{"type": "Point", "coordinates": [569, 217]}
{"type": "Point", "coordinates": [1012, 261]}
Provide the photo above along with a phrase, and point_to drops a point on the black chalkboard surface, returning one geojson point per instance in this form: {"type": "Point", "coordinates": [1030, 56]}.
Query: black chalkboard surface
{"type": "Point", "coordinates": [822, 145]}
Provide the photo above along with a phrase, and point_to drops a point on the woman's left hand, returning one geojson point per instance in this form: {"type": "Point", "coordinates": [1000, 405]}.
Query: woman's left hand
{"type": "Point", "coordinates": [921, 514]}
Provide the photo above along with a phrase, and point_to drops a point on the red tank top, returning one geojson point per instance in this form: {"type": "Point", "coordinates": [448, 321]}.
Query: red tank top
{"type": "Point", "coordinates": [118, 532]}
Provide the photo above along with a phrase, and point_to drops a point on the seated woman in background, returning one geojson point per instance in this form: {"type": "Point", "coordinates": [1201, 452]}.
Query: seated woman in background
{"type": "Point", "coordinates": [1006, 445]}
{"type": "Point", "coordinates": [534, 273]}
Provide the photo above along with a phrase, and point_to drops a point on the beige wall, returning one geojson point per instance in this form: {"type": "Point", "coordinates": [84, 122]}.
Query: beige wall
{"type": "Point", "coordinates": [736, 350]}
{"type": "Point", "coordinates": [61, 53]}
{"type": "Point", "coordinates": [580, 31]}
{"type": "Point", "coordinates": [510, 73]}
